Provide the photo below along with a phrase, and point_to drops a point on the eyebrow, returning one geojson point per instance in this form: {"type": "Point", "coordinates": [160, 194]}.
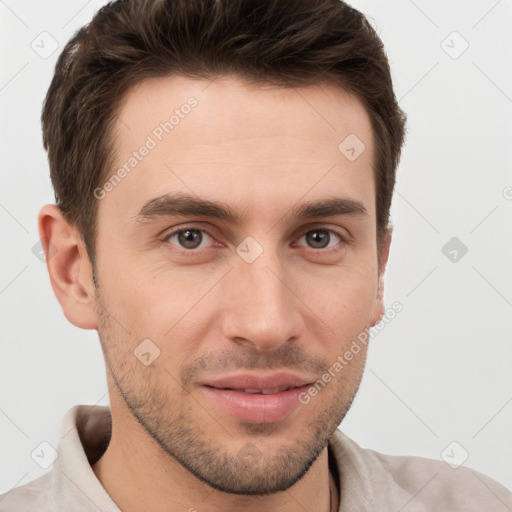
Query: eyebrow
{"type": "Point", "coordinates": [179, 204]}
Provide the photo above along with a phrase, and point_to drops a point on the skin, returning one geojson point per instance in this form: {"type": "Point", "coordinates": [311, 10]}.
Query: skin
{"type": "Point", "coordinates": [297, 307]}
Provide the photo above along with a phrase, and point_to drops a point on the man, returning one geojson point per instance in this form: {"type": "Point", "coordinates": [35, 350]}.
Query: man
{"type": "Point", "coordinates": [223, 172]}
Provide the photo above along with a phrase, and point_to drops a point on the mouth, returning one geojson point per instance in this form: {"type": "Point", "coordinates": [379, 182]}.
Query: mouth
{"type": "Point", "coordinates": [271, 391]}
{"type": "Point", "coordinates": [266, 383]}
{"type": "Point", "coordinates": [256, 398]}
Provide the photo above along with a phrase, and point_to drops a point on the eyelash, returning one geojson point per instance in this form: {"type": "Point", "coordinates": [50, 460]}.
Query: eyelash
{"type": "Point", "coordinates": [343, 239]}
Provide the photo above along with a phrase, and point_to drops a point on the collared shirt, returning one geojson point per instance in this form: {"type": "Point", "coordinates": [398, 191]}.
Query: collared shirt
{"type": "Point", "coordinates": [368, 481]}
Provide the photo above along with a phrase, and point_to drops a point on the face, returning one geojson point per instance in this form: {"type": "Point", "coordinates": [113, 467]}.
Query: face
{"type": "Point", "coordinates": [222, 284]}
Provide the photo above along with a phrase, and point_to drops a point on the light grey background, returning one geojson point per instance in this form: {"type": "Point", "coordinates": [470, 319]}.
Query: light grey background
{"type": "Point", "coordinates": [440, 371]}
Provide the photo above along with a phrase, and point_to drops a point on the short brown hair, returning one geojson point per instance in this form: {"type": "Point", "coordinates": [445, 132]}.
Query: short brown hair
{"type": "Point", "coordinates": [280, 42]}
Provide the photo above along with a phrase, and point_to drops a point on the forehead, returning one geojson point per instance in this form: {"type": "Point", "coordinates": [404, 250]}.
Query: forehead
{"type": "Point", "coordinates": [225, 138]}
{"type": "Point", "coordinates": [234, 108]}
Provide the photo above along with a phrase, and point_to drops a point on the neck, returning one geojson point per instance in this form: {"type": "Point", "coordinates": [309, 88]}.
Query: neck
{"type": "Point", "coordinates": [139, 475]}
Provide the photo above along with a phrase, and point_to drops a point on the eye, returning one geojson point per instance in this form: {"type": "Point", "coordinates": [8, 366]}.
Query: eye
{"type": "Point", "coordinates": [188, 238]}
{"type": "Point", "coordinates": [191, 239]}
{"type": "Point", "coordinates": [321, 237]}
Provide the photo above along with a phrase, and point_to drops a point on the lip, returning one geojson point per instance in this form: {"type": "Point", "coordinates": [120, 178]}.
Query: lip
{"type": "Point", "coordinates": [228, 394]}
{"type": "Point", "coordinates": [258, 381]}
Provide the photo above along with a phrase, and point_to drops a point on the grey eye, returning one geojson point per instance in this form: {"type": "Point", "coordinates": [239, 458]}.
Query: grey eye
{"type": "Point", "coordinates": [320, 238]}
{"type": "Point", "coordinates": [188, 238]}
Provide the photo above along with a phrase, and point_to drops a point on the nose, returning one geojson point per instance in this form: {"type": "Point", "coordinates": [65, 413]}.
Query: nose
{"type": "Point", "coordinates": [261, 309]}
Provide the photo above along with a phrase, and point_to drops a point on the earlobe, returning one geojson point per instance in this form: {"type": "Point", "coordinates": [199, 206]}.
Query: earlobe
{"type": "Point", "coordinates": [68, 266]}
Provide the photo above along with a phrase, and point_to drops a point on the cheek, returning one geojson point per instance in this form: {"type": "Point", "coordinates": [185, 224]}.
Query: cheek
{"type": "Point", "coordinates": [346, 309]}
{"type": "Point", "coordinates": [346, 297]}
{"type": "Point", "coordinates": [163, 312]}
{"type": "Point", "coordinates": [137, 295]}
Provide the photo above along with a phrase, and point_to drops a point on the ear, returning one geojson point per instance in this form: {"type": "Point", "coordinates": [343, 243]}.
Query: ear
{"type": "Point", "coordinates": [68, 266]}
{"type": "Point", "coordinates": [378, 310]}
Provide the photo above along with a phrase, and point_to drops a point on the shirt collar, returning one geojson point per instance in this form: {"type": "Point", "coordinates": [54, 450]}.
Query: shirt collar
{"type": "Point", "coordinates": [74, 485]}
{"type": "Point", "coordinates": [85, 433]}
